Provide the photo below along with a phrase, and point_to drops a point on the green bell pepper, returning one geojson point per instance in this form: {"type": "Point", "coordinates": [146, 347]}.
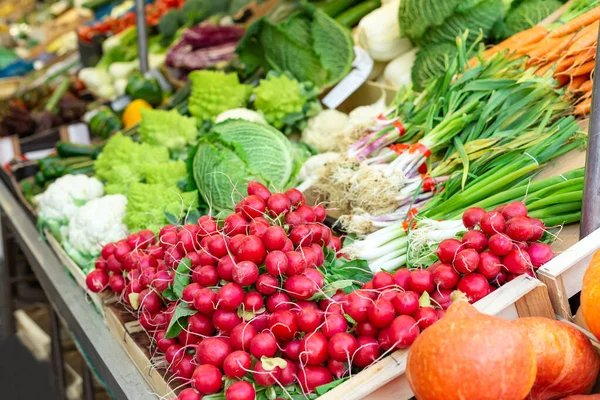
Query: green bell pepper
{"type": "Point", "coordinates": [147, 89]}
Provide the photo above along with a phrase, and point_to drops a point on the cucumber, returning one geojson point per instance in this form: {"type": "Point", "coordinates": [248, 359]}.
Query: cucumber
{"type": "Point", "coordinates": [352, 16]}
{"type": "Point", "coordinates": [333, 8]}
{"type": "Point", "coordinates": [66, 149]}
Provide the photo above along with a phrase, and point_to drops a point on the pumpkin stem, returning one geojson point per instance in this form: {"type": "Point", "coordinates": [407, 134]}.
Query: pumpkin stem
{"type": "Point", "coordinates": [458, 296]}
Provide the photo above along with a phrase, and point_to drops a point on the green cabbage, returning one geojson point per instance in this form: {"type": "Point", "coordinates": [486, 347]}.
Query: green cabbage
{"type": "Point", "coordinates": [417, 16]}
{"type": "Point", "coordinates": [235, 152]}
{"type": "Point", "coordinates": [167, 128]}
{"type": "Point", "coordinates": [431, 62]}
{"type": "Point", "coordinates": [308, 43]}
{"type": "Point", "coordinates": [525, 15]}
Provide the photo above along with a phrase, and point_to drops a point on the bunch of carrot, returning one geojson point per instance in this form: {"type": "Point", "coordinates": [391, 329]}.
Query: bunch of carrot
{"type": "Point", "coordinates": [569, 51]}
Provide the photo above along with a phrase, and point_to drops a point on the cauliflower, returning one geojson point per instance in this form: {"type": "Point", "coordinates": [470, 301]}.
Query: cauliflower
{"type": "Point", "coordinates": [63, 198]}
{"type": "Point", "coordinates": [98, 222]}
{"type": "Point", "coordinates": [319, 130]}
{"type": "Point", "coordinates": [241, 113]}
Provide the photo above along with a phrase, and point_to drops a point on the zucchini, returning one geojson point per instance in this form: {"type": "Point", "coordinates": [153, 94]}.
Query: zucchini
{"type": "Point", "coordinates": [66, 149]}
{"type": "Point", "coordinates": [352, 16]}
{"type": "Point", "coordinates": [333, 8]}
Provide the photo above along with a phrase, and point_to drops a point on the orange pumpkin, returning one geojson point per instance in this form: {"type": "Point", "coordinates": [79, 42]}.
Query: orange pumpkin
{"type": "Point", "coordinates": [468, 355]}
{"type": "Point", "coordinates": [567, 363]}
{"type": "Point", "coordinates": [583, 397]}
{"type": "Point", "coordinates": [590, 295]}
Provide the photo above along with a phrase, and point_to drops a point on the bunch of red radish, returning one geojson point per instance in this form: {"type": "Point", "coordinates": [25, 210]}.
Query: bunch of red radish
{"type": "Point", "coordinates": [498, 246]}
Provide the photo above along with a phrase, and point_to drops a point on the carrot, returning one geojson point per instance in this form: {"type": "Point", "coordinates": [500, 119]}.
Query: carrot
{"type": "Point", "coordinates": [584, 69]}
{"type": "Point", "coordinates": [565, 63]}
{"type": "Point", "coordinates": [577, 23]}
{"type": "Point", "coordinates": [515, 42]}
{"type": "Point", "coordinates": [551, 50]}
{"type": "Point", "coordinates": [586, 86]}
{"type": "Point", "coordinates": [576, 83]}
{"type": "Point", "coordinates": [587, 38]}
{"type": "Point", "coordinates": [584, 107]}
{"type": "Point", "coordinates": [562, 79]}
{"type": "Point", "coordinates": [541, 71]}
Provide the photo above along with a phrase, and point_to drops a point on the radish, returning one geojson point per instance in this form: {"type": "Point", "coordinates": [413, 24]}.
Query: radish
{"type": "Point", "coordinates": [260, 322]}
{"type": "Point", "coordinates": [406, 303]}
{"type": "Point", "coordinates": [316, 277]}
{"type": "Point", "coordinates": [466, 260]}
{"type": "Point", "coordinates": [253, 301]}
{"type": "Point", "coordinates": [188, 394]}
{"type": "Point", "coordinates": [382, 313]}
{"type": "Point", "coordinates": [205, 301]}
{"type": "Point", "coordinates": [242, 335]}
{"type": "Point", "coordinates": [384, 339]}
{"type": "Point", "coordinates": [225, 321]}
{"type": "Point", "coordinates": [274, 238]}
{"type": "Point", "coordinates": [267, 284]}
{"type": "Point", "coordinates": [442, 297]}
{"type": "Point", "coordinates": [123, 248]}
{"type": "Point", "coordinates": [309, 320]}
{"type": "Point", "coordinates": [475, 240]}
{"type": "Point", "coordinates": [194, 258]}
{"type": "Point", "coordinates": [489, 265]}
{"type": "Point", "coordinates": [264, 377]}
{"type": "Point", "coordinates": [236, 364]}
{"type": "Point", "coordinates": [519, 229]}
{"type": "Point", "coordinates": [514, 209]}
{"type": "Point", "coordinates": [292, 350]}
{"type": "Point", "coordinates": [152, 322]}
{"type": "Point", "coordinates": [447, 250]}
{"type": "Point", "coordinates": [401, 278]}
{"type": "Point", "coordinates": [383, 280]}
{"type": "Point", "coordinates": [252, 249]}
{"type": "Point", "coordinates": [207, 379]}
{"type": "Point", "coordinates": [492, 223]}
{"type": "Point", "coordinates": [307, 213]}
{"type": "Point", "coordinates": [320, 213]}
{"type": "Point", "coordinates": [426, 316]}
{"type": "Point", "coordinates": [472, 216]}
{"type": "Point", "coordinates": [174, 353]}
{"type": "Point", "coordinates": [294, 219]}
{"type": "Point", "coordinates": [334, 323]}
{"type": "Point", "coordinates": [258, 189]}
{"type": "Point", "coordinates": [225, 267]}
{"type": "Point", "coordinates": [368, 351]}
{"type": "Point", "coordinates": [335, 244]}
{"type": "Point", "coordinates": [116, 283]}
{"type": "Point", "coordinates": [245, 273]}
{"type": "Point", "coordinates": [421, 281]}
{"type": "Point", "coordinates": [187, 238]}
{"type": "Point", "coordinates": [188, 293]}
{"type": "Point", "coordinates": [296, 263]}
{"type": "Point", "coordinates": [539, 254]}
{"type": "Point", "coordinates": [538, 229]}
{"type": "Point", "coordinates": [517, 262]}
{"type": "Point", "coordinates": [325, 236]}
{"type": "Point", "coordinates": [278, 301]}
{"type": "Point", "coordinates": [283, 324]}
{"type": "Point", "coordinates": [218, 246]}
{"type": "Point", "coordinates": [115, 266]}
{"type": "Point", "coordinates": [263, 344]}
{"type": "Point", "coordinates": [278, 204]}
{"type": "Point", "coordinates": [313, 349]}
{"type": "Point", "coordinates": [201, 325]}
{"type": "Point", "coordinates": [342, 346]}
{"type": "Point", "coordinates": [240, 390]}
{"type": "Point", "coordinates": [299, 287]}
{"type": "Point", "coordinates": [230, 296]}
{"type": "Point", "coordinates": [474, 286]}
{"type": "Point", "coordinates": [287, 375]}
{"type": "Point", "coordinates": [253, 207]}
{"type": "Point", "coordinates": [185, 367]}
{"type": "Point", "coordinates": [235, 224]}
{"type": "Point", "coordinates": [312, 376]}
{"type": "Point", "coordinates": [445, 277]}
{"type": "Point", "coordinates": [146, 261]}
{"type": "Point", "coordinates": [319, 253]}
{"type": "Point", "coordinates": [147, 277]}
{"type": "Point", "coordinates": [338, 368]}
{"type": "Point", "coordinates": [501, 278]}
{"type": "Point", "coordinates": [258, 228]}
{"type": "Point", "coordinates": [100, 263]}
{"type": "Point", "coordinates": [173, 256]}
{"type": "Point", "coordinates": [276, 263]}
{"type": "Point", "coordinates": [163, 343]}
{"type": "Point", "coordinates": [156, 252]}
{"type": "Point", "coordinates": [366, 329]}
{"type": "Point", "coordinates": [206, 275]}
{"type": "Point", "coordinates": [310, 256]}
{"type": "Point", "coordinates": [235, 242]}
{"type": "Point", "coordinates": [206, 226]}
{"type": "Point", "coordinates": [110, 248]}
{"type": "Point", "coordinates": [404, 330]}
{"type": "Point", "coordinates": [187, 338]}
{"type": "Point", "coordinates": [168, 239]}
{"type": "Point", "coordinates": [500, 244]}
{"type": "Point", "coordinates": [150, 301]}
{"type": "Point", "coordinates": [296, 197]}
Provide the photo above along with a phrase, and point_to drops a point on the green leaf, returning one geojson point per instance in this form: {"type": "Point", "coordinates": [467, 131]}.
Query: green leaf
{"type": "Point", "coordinates": [179, 320]}
{"type": "Point", "coordinates": [321, 390]}
{"type": "Point", "coordinates": [169, 294]}
{"type": "Point", "coordinates": [350, 319]}
{"type": "Point", "coordinates": [79, 202]}
{"type": "Point", "coordinates": [425, 300]}
{"type": "Point", "coordinates": [330, 289]}
{"type": "Point", "coordinates": [182, 277]}
{"type": "Point", "coordinates": [270, 393]}
{"type": "Point", "coordinates": [193, 217]}
{"type": "Point", "coordinates": [172, 219]}
{"type": "Point", "coordinates": [462, 152]}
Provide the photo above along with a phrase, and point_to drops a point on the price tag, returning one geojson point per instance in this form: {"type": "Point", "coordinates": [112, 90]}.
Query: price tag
{"type": "Point", "coordinates": [79, 133]}
{"type": "Point", "coordinates": [7, 150]}
{"type": "Point", "coordinates": [39, 154]}
{"type": "Point", "coordinates": [362, 67]}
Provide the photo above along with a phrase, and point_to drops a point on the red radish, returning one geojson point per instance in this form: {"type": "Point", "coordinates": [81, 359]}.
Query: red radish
{"type": "Point", "coordinates": [146, 261]}
{"type": "Point", "coordinates": [466, 260]}
{"type": "Point", "coordinates": [501, 278]}
{"type": "Point", "coordinates": [320, 213]}
{"type": "Point", "coordinates": [489, 265]}
{"type": "Point", "coordinates": [188, 394]}
{"type": "Point", "coordinates": [168, 239]}
{"type": "Point", "coordinates": [253, 301]}
{"type": "Point", "coordinates": [235, 224]}
{"type": "Point", "coordinates": [306, 305]}
{"type": "Point", "coordinates": [382, 313]}
{"type": "Point", "coordinates": [235, 242]}
{"type": "Point", "coordinates": [123, 248]}
{"type": "Point", "coordinates": [265, 377]}
{"type": "Point", "coordinates": [313, 349]}
{"type": "Point", "coordinates": [242, 335]}
{"type": "Point", "coordinates": [187, 338]}
{"type": "Point", "coordinates": [189, 292]}
{"type": "Point", "coordinates": [278, 301]}
{"type": "Point", "coordinates": [445, 277]}
{"type": "Point", "coordinates": [385, 340]}
{"type": "Point", "coordinates": [299, 287]}
{"type": "Point", "coordinates": [523, 246]}
{"type": "Point", "coordinates": [240, 390]}
{"type": "Point", "coordinates": [447, 250]}
{"type": "Point", "coordinates": [337, 368]}
{"type": "Point", "coordinates": [274, 238]}
{"type": "Point", "coordinates": [366, 329]}
{"type": "Point", "coordinates": [258, 189]}
{"type": "Point", "coordinates": [442, 297]}
{"type": "Point", "coordinates": [292, 350]}
{"type": "Point", "coordinates": [325, 235]}
{"type": "Point", "coordinates": [309, 320]}
{"type": "Point", "coordinates": [278, 204]}
{"type": "Point", "coordinates": [263, 344]}
{"type": "Point", "coordinates": [287, 375]}
{"type": "Point", "coordinates": [475, 240]}
{"type": "Point", "coordinates": [294, 219]}
{"type": "Point", "coordinates": [492, 223]}
{"type": "Point", "coordinates": [309, 255]}
{"type": "Point", "coordinates": [342, 346]}
{"type": "Point", "coordinates": [230, 296]}
{"type": "Point", "coordinates": [517, 262]}
{"type": "Point", "coordinates": [109, 250]}
{"type": "Point", "coordinates": [500, 244]}
{"type": "Point", "coordinates": [296, 263]}
{"type": "Point", "coordinates": [538, 229]}
{"type": "Point", "coordinates": [150, 301]}
{"type": "Point", "coordinates": [276, 263]}
{"type": "Point", "coordinates": [207, 379]}
{"type": "Point", "coordinates": [539, 254]}
{"type": "Point", "coordinates": [236, 364]}
{"type": "Point", "coordinates": [426, 316]}
{"type": "Point", "coordinates": [147, 277]}
{"type": "Point", "coordinates": [406, 303]}
{"type": "Point", "coordinates": [421, 281]}
{"type": "Point", "coordinates": [258, 228]}
{"type": "Point", "coordinates": [213, 351]}
{"type": "Point", "coordinates": [334, 323]}
{"type": "Point", "coordinates": [174, 353]}
{"type": "Point", "coordinates": [205, 301]}
{"type": "Point", "coordinates": [116, 283]}
{"type": "Point", "coordinates": [152, 322]}
{"type": "Point", "coordinates": [252, 249]}
{"type": "Point", "coordinates": [115, 266]}
{"type": "Point", "coordinates": [319, 253]}
{"type": "Point", "coordinates": [401, 278]}
{"type": "Point", "coordinates": [283, 324]}
{"type": "Point", "coordinates": [260, 322]}
{"type": "Point", "coordinates": [368, 351]}
{"type": "Point", "coordinates": [296, 197]}
{"type": "Point", "coordinates": [301, 235]}
{"type": "Point", "coordinates": [173, 256]}
{"type": "Point", "coordinates": [194, 257]}
{"type": "Point", "coordinates": [245, 273]}
{"type": "Point", "coordinates": [217, 246]}
{"type": "Point", "coordinates": [185, 367]}
{"type": "Point", "coordinates": [163, 343]}
{"type": "Point", "coordinates": [206, 275]}
{"type": "Point", "coordinates": [404, 330]}
{"type": "Point", "coordinates": [267, 284]}
{"type": "Point", "coordinates": [316, 277]}
{"type": "Point", "coordinates": [156, 252]}
{"type": "Point", "coordinates": [201, 324]}
{"type": "Point", "coordinates": [253, 206]}
{"type": "Point", "coordinates": [312, 376]}
{"type": "Point", "coordinates": [514, 209]}
{"type": "Point", "coordinates": [519, 229]}
{"type": "Point", "coordinates": [474, 286]}
{"type": "Point", "coordinates": [206, 225]}
{"type": "Point", "coordinates": [100, 263]}
{"type": "Point", "coordinates": [225, 268]}
{"type": "Point", "coordinates": [225, 321]}
{"type": "Point", "coordinates": [335, 244]}
{"type": "Point", "coordinates": [472, 216]}
{"type": "Point", "coordinates": [383, 280]}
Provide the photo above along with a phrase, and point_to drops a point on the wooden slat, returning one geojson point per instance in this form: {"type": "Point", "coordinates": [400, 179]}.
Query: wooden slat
{"type": "Point", "coordinates": [535, 304]}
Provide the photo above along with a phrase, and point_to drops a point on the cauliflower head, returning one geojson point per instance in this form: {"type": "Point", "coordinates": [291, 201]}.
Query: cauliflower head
{"type": "Point", "coordinates": [66, 195]}
{"type": "Point", "coordinates": [319, 132]}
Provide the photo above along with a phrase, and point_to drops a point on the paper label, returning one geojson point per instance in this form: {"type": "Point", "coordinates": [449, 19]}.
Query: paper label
{"type": "Point", "coordinates": [79, 133]}
{"type": "Point", "coordinates": [39, 154]}
{"type": "Point", "coordinates": [7, 150]}
{"type": "Point", "coordinates": [362, 66]}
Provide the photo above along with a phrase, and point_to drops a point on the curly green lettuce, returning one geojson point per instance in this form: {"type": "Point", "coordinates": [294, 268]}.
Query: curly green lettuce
{"type": "Point", "coordinates": [286, 103]}
{"type": "Point", "coordinates": [167, 128]}
{"type": "Point", "coordinates": [214, 92]}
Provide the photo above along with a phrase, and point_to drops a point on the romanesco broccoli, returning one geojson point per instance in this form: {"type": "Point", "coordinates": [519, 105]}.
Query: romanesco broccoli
{"type": "Point", "coordinates": [214, 92]}
{"type": "Point", "coordinates": [167, 128]}
{"type": "Point", "coordinates": [165, 174]}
